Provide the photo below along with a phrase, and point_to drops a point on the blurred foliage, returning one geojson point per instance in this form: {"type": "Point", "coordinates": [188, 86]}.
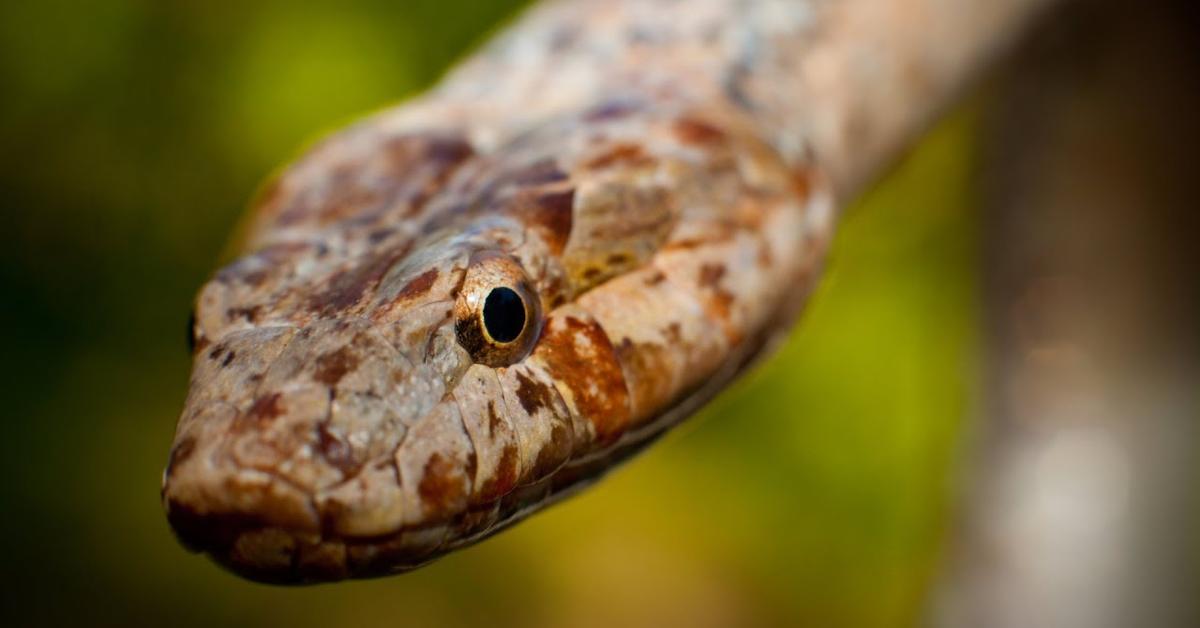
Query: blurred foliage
{"type": "Point", "coordinates": [132, 131]}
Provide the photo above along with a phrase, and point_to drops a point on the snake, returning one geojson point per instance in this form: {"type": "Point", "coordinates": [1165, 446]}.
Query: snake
{"type": "Point", "coordinates": [466, 307]}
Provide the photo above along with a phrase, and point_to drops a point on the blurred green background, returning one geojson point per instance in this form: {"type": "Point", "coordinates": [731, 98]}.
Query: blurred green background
{"type": "Point", "coordinates": [132, 132]}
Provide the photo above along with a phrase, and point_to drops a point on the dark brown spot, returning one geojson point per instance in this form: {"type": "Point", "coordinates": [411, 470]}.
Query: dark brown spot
{"type": "Point", "coordinates": [618, 259]}
{"type": "Point", "coordinates": [228, 359]}
{"type": "Point", "coordinates": [655, 278]}
{"type": "Point", "coordinates": [347, 288]}
{"type": "Point", "coordinates": [711, 274]}
{"type": "Point", "coordinates": [418, 285]}
{"type": "Point", "coordinates": [695, 131]}
{"type": "Point", "coordinates": [264, 410]}
{"type": "Point", "coordinates": [685, 243]}
{"type": "Point", "coordinates": [333, 366]}
{"type": "Point", "coordinates": [494, 421]}
{"type": "Point", "coordinates": [441, 486]}
{"type": "Point", "coordinates": [554, 453]}
{"type": "Point", "coordinates": [802, 183]}
{"type": "Point", "coordinates": [337, 452]}
{"type": "Point", "coordinates": [532, 394]}
{"type": "Point", "coordinates": [216, 352]}
{"type": "Point", "coordinates": [447, 151]}
{"type": "Point", "coordinates": [551, 213]}
{"type": "Point", "coordinates": [503, 478]}
{"type": "Point", "coordinates": [722, 300]}
{"type": "Point", "coordinates": [578, 355]}
{"type": "Point", "coordinates": [591, 273]}
{"type": "Point", "coordinates": [624, 154]}
{"type": "Point", "coordinates": [673, 333]}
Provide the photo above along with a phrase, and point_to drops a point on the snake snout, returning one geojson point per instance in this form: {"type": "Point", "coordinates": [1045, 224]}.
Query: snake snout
{"type": "Point", "coordinates": [295, 444]}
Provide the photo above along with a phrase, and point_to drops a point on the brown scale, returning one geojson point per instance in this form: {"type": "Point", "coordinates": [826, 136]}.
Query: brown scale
{"type": "Point", "coordinates": [582, 362]}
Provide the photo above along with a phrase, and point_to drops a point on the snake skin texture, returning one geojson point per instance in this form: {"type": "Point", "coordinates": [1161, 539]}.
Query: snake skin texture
{"type": "Point", "coordinates": [460, 310]}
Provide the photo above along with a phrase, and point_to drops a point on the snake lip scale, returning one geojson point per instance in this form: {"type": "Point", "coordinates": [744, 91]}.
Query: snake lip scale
{"type": "Point", "coordinates": [465, 308]}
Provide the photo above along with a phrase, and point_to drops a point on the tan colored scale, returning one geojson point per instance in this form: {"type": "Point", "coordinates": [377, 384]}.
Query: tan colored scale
{"type": "Point", "coordinates": [358, 408]}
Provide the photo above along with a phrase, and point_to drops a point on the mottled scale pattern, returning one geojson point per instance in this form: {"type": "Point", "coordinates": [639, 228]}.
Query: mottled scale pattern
{"type": "Point", "coordinates": [352, 411]}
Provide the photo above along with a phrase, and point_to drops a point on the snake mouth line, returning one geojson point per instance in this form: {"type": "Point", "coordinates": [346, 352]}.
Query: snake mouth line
{"type": "Point", "coordinates": [270, 553]}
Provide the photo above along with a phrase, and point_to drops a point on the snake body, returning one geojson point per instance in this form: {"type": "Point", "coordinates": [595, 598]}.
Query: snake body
{"type": "Point", "coordinates": [461, 309]}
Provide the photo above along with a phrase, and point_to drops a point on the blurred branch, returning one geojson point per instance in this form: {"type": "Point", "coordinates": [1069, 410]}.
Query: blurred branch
{"type": "Point", "coordinates": [881, 69]}
{"type": "Point", "coordinates": [1082, 507]}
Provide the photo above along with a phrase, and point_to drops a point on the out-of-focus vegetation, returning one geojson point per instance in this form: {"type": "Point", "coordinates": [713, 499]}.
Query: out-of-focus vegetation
{"type": "Point", "coordinates": [131, 133]}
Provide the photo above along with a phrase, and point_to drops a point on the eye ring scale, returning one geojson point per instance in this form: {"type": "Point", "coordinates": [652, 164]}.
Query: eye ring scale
{"type": "Point", "coordinates": [497, 314]}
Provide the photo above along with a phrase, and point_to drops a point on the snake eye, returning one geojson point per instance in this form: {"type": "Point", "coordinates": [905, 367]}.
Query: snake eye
{"type": "Point", "coordinates": [503, 314]}
{"type": "Point", "coordinates": [497, 314]}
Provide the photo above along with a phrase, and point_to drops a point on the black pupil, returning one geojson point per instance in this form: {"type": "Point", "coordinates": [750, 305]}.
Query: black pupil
{"type": "Point", "coordinates": [504, 314]}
